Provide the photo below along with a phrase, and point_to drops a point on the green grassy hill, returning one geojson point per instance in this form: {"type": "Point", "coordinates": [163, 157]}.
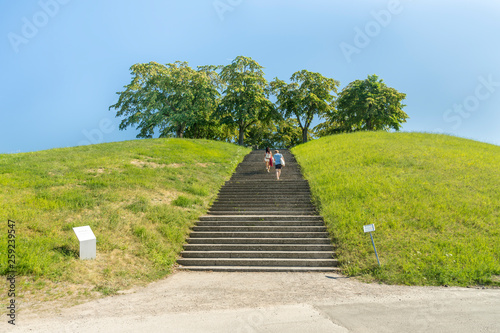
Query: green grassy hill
{"type": "Point", "coordinates": [139, 197]}
{"type": "Point", "coordinates": [434, 200]}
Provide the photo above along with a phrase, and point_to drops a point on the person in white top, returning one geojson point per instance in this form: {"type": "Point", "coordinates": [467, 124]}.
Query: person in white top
{"type": "Point", "coordinates": [268, 159]}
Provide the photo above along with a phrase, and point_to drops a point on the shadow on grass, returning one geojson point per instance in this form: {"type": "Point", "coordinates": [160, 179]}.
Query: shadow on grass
{"type": "Point", "coordinates": [66, 251]}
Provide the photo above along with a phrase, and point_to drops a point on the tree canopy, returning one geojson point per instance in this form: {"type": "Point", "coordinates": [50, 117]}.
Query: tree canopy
{"type": "Point", "coordinates": [170, 98]}
{"type": "Point", "coordinates": [231, 103]}
{"type": "Point", "coordinates": [366, 105]}
{"type": "Point", "coordinates": [308, 94]}
{"type": "Point", "coordinates": [244, 101]}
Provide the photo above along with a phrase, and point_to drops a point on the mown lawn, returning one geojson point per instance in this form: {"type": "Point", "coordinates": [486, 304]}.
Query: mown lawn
{"type": "Point", "coordinates": [139, 197]}
{"type": "Point", "coordinates": [434, 200]}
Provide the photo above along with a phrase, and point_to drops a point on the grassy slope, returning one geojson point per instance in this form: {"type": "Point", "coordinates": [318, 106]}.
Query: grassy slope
{"type": "Point", "coordinates": [139, 197]}
{"type": "Point", "coordinates": [434, 200]}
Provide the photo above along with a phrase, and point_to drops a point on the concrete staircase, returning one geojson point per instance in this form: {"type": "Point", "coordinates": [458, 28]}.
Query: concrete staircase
{"type": "Point", "coordinates": [261, 224]}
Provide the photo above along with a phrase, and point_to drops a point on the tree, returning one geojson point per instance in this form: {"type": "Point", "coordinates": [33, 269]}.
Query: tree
{"type": "Point", "coordinates": [288, 134]}
{"type": "Point", "coordinates": [244, 101]}
{"type": "Point", "coordinates": [260, 135]}
{"type": "Point", "coordinates": [170, 98]}
{"type": "Point", "coordinates": [330, 125]}
{"type": "Point", "coordinates": [368, 105]}
{"type": "Point", "coordinates": [308, 94]}
{"type": "Point", "coordinates": [281, 133]}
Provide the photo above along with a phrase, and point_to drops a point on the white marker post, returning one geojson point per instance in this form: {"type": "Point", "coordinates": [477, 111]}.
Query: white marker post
{"type": "Point", "coordinates": [369, 228]}
{"type": "Point", "coordinates": [87, 242]}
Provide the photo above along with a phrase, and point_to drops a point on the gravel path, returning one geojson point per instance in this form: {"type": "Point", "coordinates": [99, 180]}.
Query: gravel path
{"type": "Point", "coordinates": [274, 302]}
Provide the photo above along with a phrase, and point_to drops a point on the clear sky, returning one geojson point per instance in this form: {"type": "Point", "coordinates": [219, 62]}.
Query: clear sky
{"type": "Point", "coordinates": [62, 61]}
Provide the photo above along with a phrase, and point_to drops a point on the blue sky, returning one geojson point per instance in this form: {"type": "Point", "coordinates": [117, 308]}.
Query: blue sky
{"type": "Point", "coordinates": [64, 60]}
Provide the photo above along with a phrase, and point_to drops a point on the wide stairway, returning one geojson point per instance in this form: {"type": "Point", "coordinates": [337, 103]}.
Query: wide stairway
{"type": "Point", "coordinates": [261, 224]}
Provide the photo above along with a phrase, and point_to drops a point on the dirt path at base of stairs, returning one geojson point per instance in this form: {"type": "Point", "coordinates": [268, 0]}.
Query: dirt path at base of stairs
{"type": "Point", "coordinates": [247, 302]}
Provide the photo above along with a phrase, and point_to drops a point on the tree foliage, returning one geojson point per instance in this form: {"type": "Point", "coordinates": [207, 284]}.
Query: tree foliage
{"type": "Point", "coordinates": [281, 133]}
{"type": "Point", "coordinates": [244, 101]}
{"type": "Point", "coordinates": [169, 98]}
{"type": "Point", "coordinates": [231, 103]}
{"type": "Point", "coordinates": [366, 105]}
{"type": "Point", "coordinates": [307, 95]}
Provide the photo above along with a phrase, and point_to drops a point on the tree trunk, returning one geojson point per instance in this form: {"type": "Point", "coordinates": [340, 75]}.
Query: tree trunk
{"type": "Point", "coordinates": [304, 135]}
{"type": "Point", "coordinates": [241, 136]}
{"type": "Point", "coordinates": [180, 131]}
{"type": "Point", "coordinates": [369, 125]}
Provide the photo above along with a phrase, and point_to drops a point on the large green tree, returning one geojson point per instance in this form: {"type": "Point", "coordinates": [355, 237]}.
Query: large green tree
{"type": "Point", "coordinates": [245, 101]}
{"type": "Point", "coordinates": [169, 98]}
{"type": "Point", "coordinates": [367, 105]}
{"type": "Point", "coordinates": [309, 94]}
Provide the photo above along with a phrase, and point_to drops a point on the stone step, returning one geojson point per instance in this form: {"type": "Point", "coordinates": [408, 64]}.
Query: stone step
{"type": "Point", "coordinates": [269, 207]}
{"type": "Point", "coordinates": [292, 195]}
{"type": "Point", "coordinates": [261, 206]}
{"type": "Point", "coordinates": [258, 229]}
{"type": "Point", "coordinates": [259, 217]}
{"type": "Point", "coordinates": [223, 212]}
{"type": "Point", "coordinates": [264, 212]}
{"type": "Point", "coordinates": [261, 168]}
{"type": "Point", "coordinates": [261, 202]}
{"type": "Point", "coordinates": [251, 199]}
{"type": "Point", "coordinates": [262, 186]}
{"type": "Point", "coordinates": [301, 182]}
{"type": "Point", "coordinates": [246, 212]}
{"type": "Point", "coordinates": [257, 202]}
{"type": "Point", "coordinates": [259, 174]}
{"type": "Point", "coordinates": [259, 224]}
{"type": "Point", "coordinates": [274, 185]}
{"type": "Point", "coordinates": [259, 254]}
{"type": "Point", "coordinates": [258, 247]}
{"type": "Point", "coordinates": [259, 165]}
{"type": "Point", "coordinates": [269, 178]}
{"type": "Point", "coordinates": [259, 241]}
{"type": "Point", "coordinates": [268, 188]}
{"type": "Point", "coordinates": [280, 262]}
{"type": "Point", "coordinates": [257, 234]}
{"type": "Point", "coordinates": [266, 191]}
{"type": "Point", "coordinates": [256, 210]}
{"type": "Point", "coordinates": [263, 197]}
{"type": "Point", "coordinates": [260, 198]}
{"type": "Point", "coordinates": [289, 193]}
{"type": "Point", "coordinates": [258, 269]}
{"type": "Point", "coordinates": [290, 190]}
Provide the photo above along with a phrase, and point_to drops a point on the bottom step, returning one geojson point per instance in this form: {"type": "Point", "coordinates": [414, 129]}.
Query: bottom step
{"type": "Point", "coordinates": [258, 262]}
{"type": "Point", "coordinates": [258, 269]}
